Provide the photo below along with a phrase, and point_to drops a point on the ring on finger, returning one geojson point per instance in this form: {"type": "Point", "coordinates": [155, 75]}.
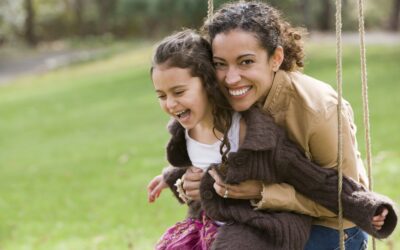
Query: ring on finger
{"type": "Point", "coordinates": [226, 192]}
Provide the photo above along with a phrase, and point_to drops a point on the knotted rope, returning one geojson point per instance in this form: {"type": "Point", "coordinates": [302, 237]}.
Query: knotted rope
{"type": "Point", "coordinates": [364, 84]}
{"type": "Point", "coordinates": [339, 112]}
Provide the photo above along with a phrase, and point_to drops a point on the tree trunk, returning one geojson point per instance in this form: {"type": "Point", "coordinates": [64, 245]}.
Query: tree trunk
{"type": "Point", "coordinates": [325, 16]}
{"type": "Point", "coordinates": [305, 7]}
{"type": "Point", "coordinates": [394, 18]}
{"type": "Point", "coordinates": [78, 9]}
{"type": "Point", "coordinates": [107, 13]}
{"type": "Point", "coordinates": [29, 29]}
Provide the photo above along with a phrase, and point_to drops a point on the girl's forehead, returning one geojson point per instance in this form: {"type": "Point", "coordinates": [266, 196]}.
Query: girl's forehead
{"type": "Point", "coordinates": [167, 78]}
{"type": "Point", "coordinates": [171, 72]}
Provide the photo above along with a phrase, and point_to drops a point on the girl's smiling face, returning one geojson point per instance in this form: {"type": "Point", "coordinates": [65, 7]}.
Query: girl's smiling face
{"type": "Point", "coordinates": [182, 96]}
{"type": "Point", "coordinates": [245, 71]}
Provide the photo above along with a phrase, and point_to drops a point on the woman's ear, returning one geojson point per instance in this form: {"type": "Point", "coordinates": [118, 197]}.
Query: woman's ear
{"type": "Point", "coordinates": [277, 58]}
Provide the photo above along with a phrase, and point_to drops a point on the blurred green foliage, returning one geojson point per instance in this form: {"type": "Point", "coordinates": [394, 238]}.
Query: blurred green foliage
{"type": "Point", "coordinates": [58, 19]}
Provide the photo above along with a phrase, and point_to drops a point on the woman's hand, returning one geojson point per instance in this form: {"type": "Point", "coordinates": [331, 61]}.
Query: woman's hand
{"type": "Point", "coordinates": [246, 190]}
{"type": "Point", "coordinates": [379, 219]}
{"type": "Point", "coordinates": [155, 187]}
{"type": "Point", "coordinates": [191, 182]}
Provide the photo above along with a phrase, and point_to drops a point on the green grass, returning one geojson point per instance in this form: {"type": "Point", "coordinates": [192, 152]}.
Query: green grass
{"type": "Point", "coordinates": [79, 145]}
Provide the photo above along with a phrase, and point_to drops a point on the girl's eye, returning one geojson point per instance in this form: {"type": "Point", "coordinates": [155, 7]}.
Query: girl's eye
{"type": "Point", "coordinates": [180, 92]}
{"type": "Point", "coordinates": [246, 62]}
{"type": "Point", "coordinates": [162, 97]}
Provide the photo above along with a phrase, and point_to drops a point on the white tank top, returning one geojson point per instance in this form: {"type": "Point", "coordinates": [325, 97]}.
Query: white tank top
{"type": "Point", "coordinates": [202, 155]}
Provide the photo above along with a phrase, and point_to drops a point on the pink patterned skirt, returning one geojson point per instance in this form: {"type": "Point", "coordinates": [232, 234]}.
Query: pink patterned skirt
{"type": "Point", "coordinates": [190, 234]}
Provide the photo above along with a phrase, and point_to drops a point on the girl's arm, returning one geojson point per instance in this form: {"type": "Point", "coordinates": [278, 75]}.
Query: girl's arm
{"type": "Point", "coordinates": [155, 187]}
{"type": "Point", "coordinates": [170, 175]}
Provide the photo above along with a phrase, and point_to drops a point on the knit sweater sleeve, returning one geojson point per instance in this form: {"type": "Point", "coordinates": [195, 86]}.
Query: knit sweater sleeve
{"type": "Point", "coordinates": [284, 230]}
{"type": "Point", "coordinates": [171, 175]}
{"type": "Point", "coordinates": [268, 155]}
{"type": "Point", "coordinates": [320, 185]}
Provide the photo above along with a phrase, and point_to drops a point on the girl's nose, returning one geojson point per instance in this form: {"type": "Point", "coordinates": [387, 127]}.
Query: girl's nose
{"type": "Point", "coordinates": [171, 103]}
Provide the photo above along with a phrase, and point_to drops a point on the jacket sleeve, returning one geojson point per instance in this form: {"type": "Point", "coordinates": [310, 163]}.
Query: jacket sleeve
{"type": "Point", "coordinates": [171, 175]}
{"type": "Point", "coordinates": [283, 197]}
{"type": "Point", "coordinates": [323, 143]}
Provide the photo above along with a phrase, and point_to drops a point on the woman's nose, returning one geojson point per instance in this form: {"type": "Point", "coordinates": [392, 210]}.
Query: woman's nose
{"type": "Point", "coordinates": [232, 75]}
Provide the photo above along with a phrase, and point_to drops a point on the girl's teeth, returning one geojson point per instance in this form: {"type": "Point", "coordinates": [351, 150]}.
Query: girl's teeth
{"type": "Point", "coordinates": [239, 92]}
{"type": "Point", "coordinates": [180, 114]}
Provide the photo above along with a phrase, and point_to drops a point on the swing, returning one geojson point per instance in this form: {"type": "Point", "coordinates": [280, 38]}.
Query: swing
{"type": "Point", "coordinates": [364, 84]}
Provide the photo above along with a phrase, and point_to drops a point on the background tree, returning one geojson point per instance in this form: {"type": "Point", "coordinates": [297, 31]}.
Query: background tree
{"type": "Point", "coordinates": [395, 16]}
{"type": "Point", "coordinates": [106, 10]}
{"type": "Point", "coordinates": [29, 31]}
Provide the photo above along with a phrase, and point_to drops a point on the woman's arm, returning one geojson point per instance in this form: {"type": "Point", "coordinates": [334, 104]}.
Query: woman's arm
{"type": "Point", "coordinates": [283, 197]}
{"type": "Point", "coordinates": [286, 162]}
{"type": "Point", "coordinates": [323, 141]}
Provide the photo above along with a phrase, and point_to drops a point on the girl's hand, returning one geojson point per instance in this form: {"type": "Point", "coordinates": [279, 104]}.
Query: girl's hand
{"type": "Point", "coordinates": [155, 187]}
{"type": "Point", "coordinates": [246, 190]}
{"type": "Point", "coordinates": [191, 182]}
{"type": "Point", "coordinates": [379, 219]}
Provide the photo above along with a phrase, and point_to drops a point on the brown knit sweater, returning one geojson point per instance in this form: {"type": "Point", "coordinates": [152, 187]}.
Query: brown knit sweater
{"type": "Point", "coordinates": [267, 154]}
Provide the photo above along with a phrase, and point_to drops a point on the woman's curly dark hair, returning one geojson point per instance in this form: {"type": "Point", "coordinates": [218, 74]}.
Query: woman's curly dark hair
{"type": "Point", "coordinates": [188, 50]}
{"type": "Point", "coordinates": [266, 23]}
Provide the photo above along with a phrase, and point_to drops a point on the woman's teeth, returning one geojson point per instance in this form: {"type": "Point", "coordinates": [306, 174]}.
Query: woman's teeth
{"type": "Point", "coordinates": [239, 92]}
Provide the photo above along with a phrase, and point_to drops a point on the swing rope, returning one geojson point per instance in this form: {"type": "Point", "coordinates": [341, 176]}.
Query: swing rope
{"type": "Point", "coordinates": [210, 9]}
{"type": "Point", "coordinates": [364, 84]}
{"type": "Point", "coordinates": [339, 112]}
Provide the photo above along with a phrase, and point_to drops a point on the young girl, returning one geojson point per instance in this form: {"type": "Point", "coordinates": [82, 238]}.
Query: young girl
{"type": "Point", "coordinates": [183, 78]}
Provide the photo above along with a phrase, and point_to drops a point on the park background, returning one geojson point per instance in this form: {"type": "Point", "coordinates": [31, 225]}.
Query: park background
{"type": "Point", "coordinates": [81, 132]}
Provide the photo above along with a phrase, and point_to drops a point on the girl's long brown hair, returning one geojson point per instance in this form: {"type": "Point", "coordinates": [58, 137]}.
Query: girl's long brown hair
{"type": "Point", "coordinates": [188, 50]}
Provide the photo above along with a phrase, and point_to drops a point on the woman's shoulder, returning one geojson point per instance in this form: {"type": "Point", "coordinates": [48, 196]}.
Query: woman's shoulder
{"type": "Point", "coordinates": [312, 94]}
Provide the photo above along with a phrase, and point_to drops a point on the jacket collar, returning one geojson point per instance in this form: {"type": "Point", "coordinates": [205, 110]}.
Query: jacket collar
{"type": "Point", "coordinates": [278, 93]}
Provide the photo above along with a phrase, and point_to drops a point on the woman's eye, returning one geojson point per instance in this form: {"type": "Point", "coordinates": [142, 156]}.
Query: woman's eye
{"type": "Point", "coordinates": [161, 97]}
{"type": "Point", "coordinates": [218, 64]}
{"type": "Point", "coordinates": [246, 62]}
{"type": "Point", "coordinates": [178, 93]}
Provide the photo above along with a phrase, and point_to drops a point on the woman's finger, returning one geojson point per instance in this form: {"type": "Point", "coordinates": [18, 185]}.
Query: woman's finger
{"type": "Point", "coordinates": [191, 185]}
{"type": "Point", "coordinates": [192, 176]}
{"type": "Point", "coordinates": [195, 170]}
{"type": "Point", "coordinates": [216, 177]}
{"type": "Point", "coordinates": [221, 189]}
{"type": "Point", "coordinates": [193, 194]}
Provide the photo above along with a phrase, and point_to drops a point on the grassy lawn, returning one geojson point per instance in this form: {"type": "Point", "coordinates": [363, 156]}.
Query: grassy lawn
{"type": "Point", "coordinates": [78, 146]}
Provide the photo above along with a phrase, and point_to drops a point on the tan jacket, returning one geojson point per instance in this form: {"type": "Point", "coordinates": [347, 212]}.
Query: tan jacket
{"type": "Point", "coordinates": [307, 108]}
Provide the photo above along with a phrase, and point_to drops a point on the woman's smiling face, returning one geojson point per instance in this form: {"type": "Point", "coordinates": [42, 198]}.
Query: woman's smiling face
{"type": "Point", "coordinates": [244, 70]}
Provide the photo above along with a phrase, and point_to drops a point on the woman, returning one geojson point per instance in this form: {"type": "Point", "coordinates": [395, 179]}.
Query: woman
{"type": "Point", "coordinates": [257, 55]}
